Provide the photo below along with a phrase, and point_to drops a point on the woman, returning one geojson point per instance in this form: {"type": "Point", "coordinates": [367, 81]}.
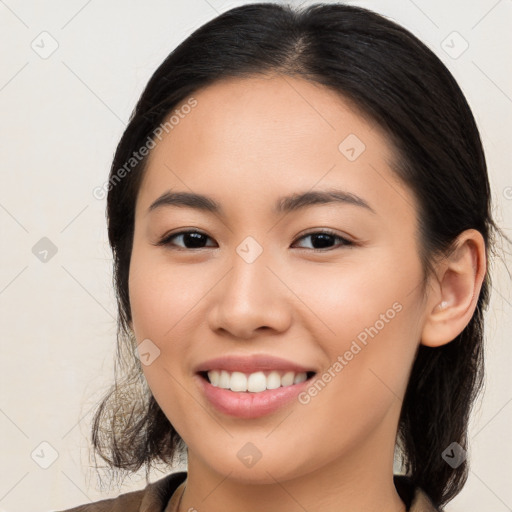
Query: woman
{"type": "Point", "coordinates": [299, 212]}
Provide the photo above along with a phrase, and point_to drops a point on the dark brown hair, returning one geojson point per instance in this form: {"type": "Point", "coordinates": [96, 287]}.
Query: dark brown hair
{"type": "Point", "coordinates": [396, 81]}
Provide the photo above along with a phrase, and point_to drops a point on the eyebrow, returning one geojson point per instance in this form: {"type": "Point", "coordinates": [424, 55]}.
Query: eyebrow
{"type": "Point", "coordinates": [284, 204]}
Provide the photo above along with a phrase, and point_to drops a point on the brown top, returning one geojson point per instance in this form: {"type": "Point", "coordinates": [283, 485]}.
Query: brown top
{"type": "Point", "coordinates": [164, 496]}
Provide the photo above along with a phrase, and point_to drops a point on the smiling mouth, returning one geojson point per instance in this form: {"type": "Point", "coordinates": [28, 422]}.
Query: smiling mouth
{"type": "Point", "coordinates": [256, 382]}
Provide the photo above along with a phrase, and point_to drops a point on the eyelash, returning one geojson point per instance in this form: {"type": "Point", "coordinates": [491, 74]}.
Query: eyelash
{"type": "Point", "coordinates": [166, 240]}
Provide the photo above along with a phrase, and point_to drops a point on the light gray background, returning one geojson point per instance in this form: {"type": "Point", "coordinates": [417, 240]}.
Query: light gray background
{"type": "Point", "coordinates": [61, 118]}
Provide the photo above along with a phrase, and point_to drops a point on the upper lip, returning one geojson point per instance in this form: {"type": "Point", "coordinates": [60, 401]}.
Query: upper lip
{"type": "Point", "coordinates": [251, 364]}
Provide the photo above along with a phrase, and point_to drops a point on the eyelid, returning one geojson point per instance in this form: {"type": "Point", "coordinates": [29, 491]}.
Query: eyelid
{"type": "Point", "coordinates": [165, 239]}
{"type": "Point", "coordinates": [346, 241]}
{"type": "Point", "coordinates": [326, 231]}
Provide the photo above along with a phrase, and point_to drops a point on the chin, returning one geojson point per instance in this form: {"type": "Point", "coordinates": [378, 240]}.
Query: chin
{"type": "Point", "coordinates": [248, 465]}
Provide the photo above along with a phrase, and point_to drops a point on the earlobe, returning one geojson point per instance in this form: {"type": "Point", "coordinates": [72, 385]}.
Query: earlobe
{"type": "Point", "coordinates": [453, 300]}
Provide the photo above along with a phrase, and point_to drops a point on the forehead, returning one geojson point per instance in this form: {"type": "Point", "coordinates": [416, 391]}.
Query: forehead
{"type": "Point", "coordinates": [248, 112]}
{"type": "Point", "coordinates": [266, 134]}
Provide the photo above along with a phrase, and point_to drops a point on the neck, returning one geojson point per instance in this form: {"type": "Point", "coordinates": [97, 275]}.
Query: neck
{"type": "Point", "coordinates": [359, 481]}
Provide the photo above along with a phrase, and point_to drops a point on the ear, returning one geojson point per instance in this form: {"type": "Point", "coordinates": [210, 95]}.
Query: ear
{"type": "Point", "coordinates": [455, 290]}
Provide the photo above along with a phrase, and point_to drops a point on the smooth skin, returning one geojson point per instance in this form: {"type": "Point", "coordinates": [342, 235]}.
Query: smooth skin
{"type": "Point", "coordinates": [247, 143]}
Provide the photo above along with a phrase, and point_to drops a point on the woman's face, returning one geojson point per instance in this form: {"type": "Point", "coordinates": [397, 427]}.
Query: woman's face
{"type": "Point", "coordinates": [270, 284]}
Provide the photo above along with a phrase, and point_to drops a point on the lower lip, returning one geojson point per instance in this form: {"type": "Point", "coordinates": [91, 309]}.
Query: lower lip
{"type": "Point", "coordinates": [247, 404]}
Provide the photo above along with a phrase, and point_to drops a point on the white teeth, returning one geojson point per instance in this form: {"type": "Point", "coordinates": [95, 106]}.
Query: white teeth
{"type": "Point", "coordinates": [287, 379]}
{"type": "Point", "coordinates": [300, 377]}
{"type": "Point", "coordinates": [254, 382]}
{"type": "Point", "coordinates": [273, 380]}
{"type": "Point", "coordinates": [214, 377]}
{"type": "Point", "coordinates": [224, 380]}
{"type": "Point", "coordinates": [238, 382]}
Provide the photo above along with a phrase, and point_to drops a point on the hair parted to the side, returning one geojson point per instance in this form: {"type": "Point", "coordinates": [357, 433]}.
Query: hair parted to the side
{"type": "Point", "coordinates": [398, 83]}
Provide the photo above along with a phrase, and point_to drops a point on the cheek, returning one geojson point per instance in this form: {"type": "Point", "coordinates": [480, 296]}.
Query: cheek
{"type": "Point", "coordinates": [368, 364]}
{"type": "Point", "coordinates": [160, 295]}
{"type": "Point", "coordinates": [161, 304]}
{"type": "Point", "coordinates": [372, 317]}
{"type": "Point", "coordinates": [356, 294]}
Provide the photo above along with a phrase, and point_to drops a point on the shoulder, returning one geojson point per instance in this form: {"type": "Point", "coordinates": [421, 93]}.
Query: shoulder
{"type": "Point", "coordinates": [153, 498]}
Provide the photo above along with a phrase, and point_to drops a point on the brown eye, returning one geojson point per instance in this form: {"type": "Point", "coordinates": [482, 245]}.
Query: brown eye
{"type": "Point", "coordinates": [323, 240]}
{"type": "Point", "coordinates": [190, 240]}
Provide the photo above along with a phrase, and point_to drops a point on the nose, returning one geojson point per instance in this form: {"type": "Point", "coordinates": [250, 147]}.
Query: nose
{"type": "Point", "coordinates": [250, 298]}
